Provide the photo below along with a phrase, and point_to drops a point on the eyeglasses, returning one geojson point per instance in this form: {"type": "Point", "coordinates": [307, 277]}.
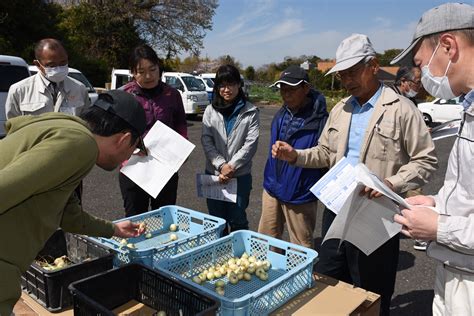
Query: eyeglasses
{"type": "Point", "coordinates": [351, 72]}
{"type": "Point", "coordinates": [229, 85]}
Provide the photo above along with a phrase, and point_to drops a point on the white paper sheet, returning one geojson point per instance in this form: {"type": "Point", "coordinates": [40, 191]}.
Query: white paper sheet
{"type": "Point", "coordinates": [365, 223]}
{"type": "Point", "coordinates": [208, 186]}
{"type": "Point", "coordinates": [167, 151]}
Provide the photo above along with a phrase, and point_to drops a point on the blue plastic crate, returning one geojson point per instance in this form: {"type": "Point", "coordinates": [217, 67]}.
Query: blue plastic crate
{"type": "Point", "coordinates": [290, 274]}
{"type": "Point", "coordinates": [194, 229]}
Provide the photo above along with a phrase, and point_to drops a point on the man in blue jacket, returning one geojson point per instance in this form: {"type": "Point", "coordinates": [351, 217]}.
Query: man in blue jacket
{"type": "Point", "coordinates": [286, 196]}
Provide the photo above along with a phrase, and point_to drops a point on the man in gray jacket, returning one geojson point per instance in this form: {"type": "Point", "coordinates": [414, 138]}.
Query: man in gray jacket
{"type": "Point", "coordinates": [443, 47]}
{"type": "Point", "coordinates": [50, 90]}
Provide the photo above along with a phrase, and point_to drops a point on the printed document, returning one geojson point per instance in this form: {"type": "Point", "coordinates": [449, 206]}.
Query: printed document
{"type": "Point", "coordinates": [335, 186]}
{"type": "Point", "coordinates": [167, 151]}
{"type": "Point", "coordinates": [208, 186]}
{"type": "Point", "coordinates": [366, 223]}
{"type": "Point", "coordinates": [446, 129]}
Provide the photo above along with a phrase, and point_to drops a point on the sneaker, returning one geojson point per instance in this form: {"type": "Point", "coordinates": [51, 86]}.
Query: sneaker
{"type": "Point", "coordinates": [420, 245]}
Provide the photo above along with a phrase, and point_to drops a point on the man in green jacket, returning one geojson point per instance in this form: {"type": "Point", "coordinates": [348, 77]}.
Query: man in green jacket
{"type": "Point", "coordinates": [43, 159]}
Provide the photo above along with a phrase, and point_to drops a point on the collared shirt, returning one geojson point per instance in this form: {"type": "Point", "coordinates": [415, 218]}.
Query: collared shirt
{"type": "Point", "coordinates": [292, 122]}
{"type": "Point", "coordinates": [359, 121]}
{"type": "Point", "coordinates": [468, 99]}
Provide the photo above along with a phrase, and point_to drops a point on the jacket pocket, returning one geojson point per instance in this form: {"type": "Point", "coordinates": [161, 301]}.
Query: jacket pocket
{"type": "Point", "coordinates": [32, 107]}
{"type": "Point", "coordinates": [333, 139]}
{"type": "Point", "coordinates": [386, 142]}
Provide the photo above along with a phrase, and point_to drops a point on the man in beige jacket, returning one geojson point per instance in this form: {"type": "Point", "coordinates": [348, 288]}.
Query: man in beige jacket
{"type": "Point", "coordinates": [386, 132]}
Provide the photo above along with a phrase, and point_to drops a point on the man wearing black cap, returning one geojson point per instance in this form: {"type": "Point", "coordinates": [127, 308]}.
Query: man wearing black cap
{"type": "Point", "coordinates": [443, 47]}
{"type": "Point", "coordinates": [286, 196]}
{"type": "Point", "coordinates": [43, 159]}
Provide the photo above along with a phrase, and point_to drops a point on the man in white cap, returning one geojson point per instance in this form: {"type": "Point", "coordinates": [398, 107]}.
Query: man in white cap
{"type": "Point", "coordinates": [386, 132]}
{"type": "Point", "coordinates": [443, 47]}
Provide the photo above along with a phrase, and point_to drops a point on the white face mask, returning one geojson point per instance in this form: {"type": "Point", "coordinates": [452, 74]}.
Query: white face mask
{"type": "Point", "coordinates": [436, 86]}
{"type": "Point", "coordinates": [56, 74]}
{"type": "Point", "coordinates": [411, 93]}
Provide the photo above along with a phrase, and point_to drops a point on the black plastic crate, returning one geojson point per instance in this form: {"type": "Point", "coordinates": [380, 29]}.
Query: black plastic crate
{"type": "Point", "coordinates": [100, 294]}
{"type": "Point", "coordinates": [50, 288]}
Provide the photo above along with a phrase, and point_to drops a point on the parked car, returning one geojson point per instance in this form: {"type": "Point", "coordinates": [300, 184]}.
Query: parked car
{"type": "Point", "coordinates": [208, 85]}
{"type": "Point", "coordinates": [79, 76]}
{"type": "Point", "coordinates": [193, 92]}
{"type": "Point", "coordinates": [120, 77]}
{"type": "Point", "coordinates": [12, 70]}
{"type": "Point", "coordinates": [441, 110]}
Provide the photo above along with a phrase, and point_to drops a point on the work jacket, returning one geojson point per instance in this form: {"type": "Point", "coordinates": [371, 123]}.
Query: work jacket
{"type": "Point", "coordinates": [454, 244]}
{"type": "Point", "coordinates": [397, 145]}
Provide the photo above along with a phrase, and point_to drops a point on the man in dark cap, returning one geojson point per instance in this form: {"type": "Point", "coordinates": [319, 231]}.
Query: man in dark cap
{"type": "Point", "coordinates": [286, 196]}
{"type": "Point", "coordinates": [43, 159]}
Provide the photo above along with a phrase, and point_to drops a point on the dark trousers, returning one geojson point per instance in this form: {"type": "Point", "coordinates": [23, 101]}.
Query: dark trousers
{"type": "Point", "coordinates": [375, 273]}
{"type": "Point", "coordinates": [136, 201]}
{"type": "Point", "coordinates": [234, 213]}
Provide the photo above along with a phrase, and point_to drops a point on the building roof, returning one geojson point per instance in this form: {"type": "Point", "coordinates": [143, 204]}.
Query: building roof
{"type": "Point", "coordinates": [324, 66]}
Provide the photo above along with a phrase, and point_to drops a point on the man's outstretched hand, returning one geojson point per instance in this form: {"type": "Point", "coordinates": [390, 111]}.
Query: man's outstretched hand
{"type": "Point", "coordinates": [284, 151]}
{"type": "Point", "coordinates": [128, 229]}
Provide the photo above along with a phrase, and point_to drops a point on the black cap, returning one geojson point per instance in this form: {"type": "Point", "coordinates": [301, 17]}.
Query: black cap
{"type": "Point", "coordinates": [125, 106]}
{"type": "Point", "coordinates": [293, 76]}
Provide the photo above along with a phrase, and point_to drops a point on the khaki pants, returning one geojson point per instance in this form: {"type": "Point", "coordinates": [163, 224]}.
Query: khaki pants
{"type": "Point", "coordinates": [300, 220]}
{"type": "Point", "coordinates": [453, 292]}
{"type": "Point", "coordinates": [10, 287]}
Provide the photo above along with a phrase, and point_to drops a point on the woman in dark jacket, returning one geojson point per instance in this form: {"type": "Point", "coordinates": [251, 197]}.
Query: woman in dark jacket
{"type": "Point", "coordinates": [161, 103]}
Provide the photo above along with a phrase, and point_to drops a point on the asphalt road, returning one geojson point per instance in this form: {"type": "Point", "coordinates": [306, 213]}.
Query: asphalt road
{"type": "Point", "coordinates": [413, 293]}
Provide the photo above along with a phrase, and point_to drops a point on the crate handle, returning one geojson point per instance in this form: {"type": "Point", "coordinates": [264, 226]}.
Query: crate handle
{"type": "Point", "coordinates": [297, 250]}
{"type": "Point", "coordinates": [197, 220]}
{"type": "Point", "coordinates": [277, 250]}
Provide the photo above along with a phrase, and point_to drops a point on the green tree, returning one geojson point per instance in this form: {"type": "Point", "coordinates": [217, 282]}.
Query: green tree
{"type": "Point", "coordinates": [24, 22]}
{"type": "Point", "coordinates": [249, 73]}
{"type": "Point", "coordinates": [227, 60]}
{"type": "Point", "coordinates": [388, 56]}
{"type": "Point", "coordinates": [172, 26]}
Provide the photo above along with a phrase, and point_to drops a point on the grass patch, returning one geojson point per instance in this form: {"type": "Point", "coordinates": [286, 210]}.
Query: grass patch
{"type": "Point", "coordinates": [262, 94]}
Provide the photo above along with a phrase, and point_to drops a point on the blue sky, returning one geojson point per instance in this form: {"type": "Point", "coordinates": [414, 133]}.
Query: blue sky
{"type": "Point", "coordinates": [258, 32]}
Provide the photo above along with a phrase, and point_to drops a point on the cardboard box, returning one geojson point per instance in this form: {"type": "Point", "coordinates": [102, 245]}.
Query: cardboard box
{"type": "Point", "coordinates": [134, 308]}
{"type": "Point", "coordinates": [327, 297]}
{"type": "Point", "coordinates": [27, 306]}
{"type": "Point", "coordinates": [332, 297]}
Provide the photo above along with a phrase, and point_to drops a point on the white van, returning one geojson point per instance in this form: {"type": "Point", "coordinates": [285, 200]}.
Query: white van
{"type": "Point", "coordinates": [120, 77]}
{"type": "Point", "coordinates": [79, 76]}
{"type": "Point", "coordinates": [209, 85]}
{"type": "Point", "coordinates": [192, 90]}
{"type": "Point", "coordinates": [12, 70]}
